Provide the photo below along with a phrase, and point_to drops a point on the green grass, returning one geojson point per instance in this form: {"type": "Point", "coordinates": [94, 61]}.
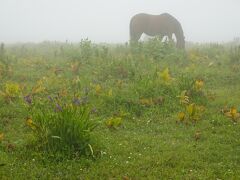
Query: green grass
{"type": "Point", "coordinates": [150, 143]}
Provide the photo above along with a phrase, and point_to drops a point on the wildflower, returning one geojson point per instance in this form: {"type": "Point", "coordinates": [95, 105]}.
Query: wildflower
{"type": "Point", "coordinates": [114, 122]}
{"type": "Point", "coordinates": [28, 99]}
{"type": "Point", "coordinates": [181, 116]}
{"type": "Point", "coordinates": [50, 98]}
{"type": "Point", "coordinates": [233, 113]}
{"type": "Point", "coordinates": [191, 109]}
{"type": "Point", "coordinates": [98, 89]}
{"type": "Point", "coordinates": [76, 101]}
{"type": "Point", "coordinates": [165, 75]}
{"type": "Point", "coordinates": [199, 84]}
{"type": "Point", "coordinates": [12, 89]}
{"type": "Point", "coordinates": [29, 123]}
{"type": "Point", "coordinates": [58, 108]}
{"type": "Point", "coordinates": [184, 99]}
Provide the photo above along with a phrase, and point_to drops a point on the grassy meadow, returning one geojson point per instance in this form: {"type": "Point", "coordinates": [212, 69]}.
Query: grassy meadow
{"type": "Point", "coordinates": [100, 111]}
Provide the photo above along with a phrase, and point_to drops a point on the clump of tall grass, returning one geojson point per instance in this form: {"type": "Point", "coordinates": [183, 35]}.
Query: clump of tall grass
{"type": "Point", "coordinates": [58, 126]}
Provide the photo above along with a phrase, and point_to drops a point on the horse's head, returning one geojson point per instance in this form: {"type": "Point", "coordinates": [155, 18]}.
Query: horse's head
{"type": "Point", "coordinates": [181, 42]}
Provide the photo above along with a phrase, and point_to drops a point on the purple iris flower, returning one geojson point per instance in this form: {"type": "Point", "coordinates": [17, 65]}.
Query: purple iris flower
{"type": "Point", "coordinates": [28, 99]}
{"type": "Point", "coordinates": [50, 98]}
{"type": "Point", "coordinates": [76, 101]}
{"type": "Point", "coordinates": [58, 108]}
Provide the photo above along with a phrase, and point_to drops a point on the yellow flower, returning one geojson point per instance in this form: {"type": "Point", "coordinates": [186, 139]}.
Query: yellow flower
{"type": "Point", "coordinates": [199, 84]}
{"type": "Point", "coordinates": [233, 111]}
{"type": "Point", "coordinates": [30, 123]}
{"type": "Point", "coordinates": [184, 99]}
{"type": "Point", "coordinates": [181, 116]}
{"type": "Point", "coordinates": [98, 89]}
{"type": "Point", "coordinates": [113, 122]}
{"type": "Point", "coordinates": [191, 109]}
{"type": "Point", "coordinates": [233, 114]}
{"type": "Point", "coordinates": [1, 137]}
{"type": "Point", "coordinates": [12, 89]}
{"type": "Point", "coordinates": [165, 75]}
{"type": "Point", "coordinates": [193, 112]}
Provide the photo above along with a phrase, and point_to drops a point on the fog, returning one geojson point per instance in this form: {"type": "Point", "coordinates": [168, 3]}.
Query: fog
{"type": "Point", "coordinates": [108, 20]}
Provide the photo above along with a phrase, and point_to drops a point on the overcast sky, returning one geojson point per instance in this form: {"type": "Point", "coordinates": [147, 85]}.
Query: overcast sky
{"type": "Point", "coordinates": [108, 20]}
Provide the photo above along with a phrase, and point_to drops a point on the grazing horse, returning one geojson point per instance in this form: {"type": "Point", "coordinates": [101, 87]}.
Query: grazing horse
{"type": "Point", "coordinates": [153, 25]}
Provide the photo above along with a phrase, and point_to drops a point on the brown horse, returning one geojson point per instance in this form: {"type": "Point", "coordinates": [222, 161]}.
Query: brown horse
{"type": "Point", "coordinates": [153, 25]}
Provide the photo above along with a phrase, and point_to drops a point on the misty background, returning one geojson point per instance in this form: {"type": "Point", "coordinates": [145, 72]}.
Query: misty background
{"type": "Point", "coordinates": [108, 20]}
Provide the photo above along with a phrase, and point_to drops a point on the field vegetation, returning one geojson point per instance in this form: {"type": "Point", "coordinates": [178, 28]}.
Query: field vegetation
{"type": "Point", "coordinates": [115, 111]}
